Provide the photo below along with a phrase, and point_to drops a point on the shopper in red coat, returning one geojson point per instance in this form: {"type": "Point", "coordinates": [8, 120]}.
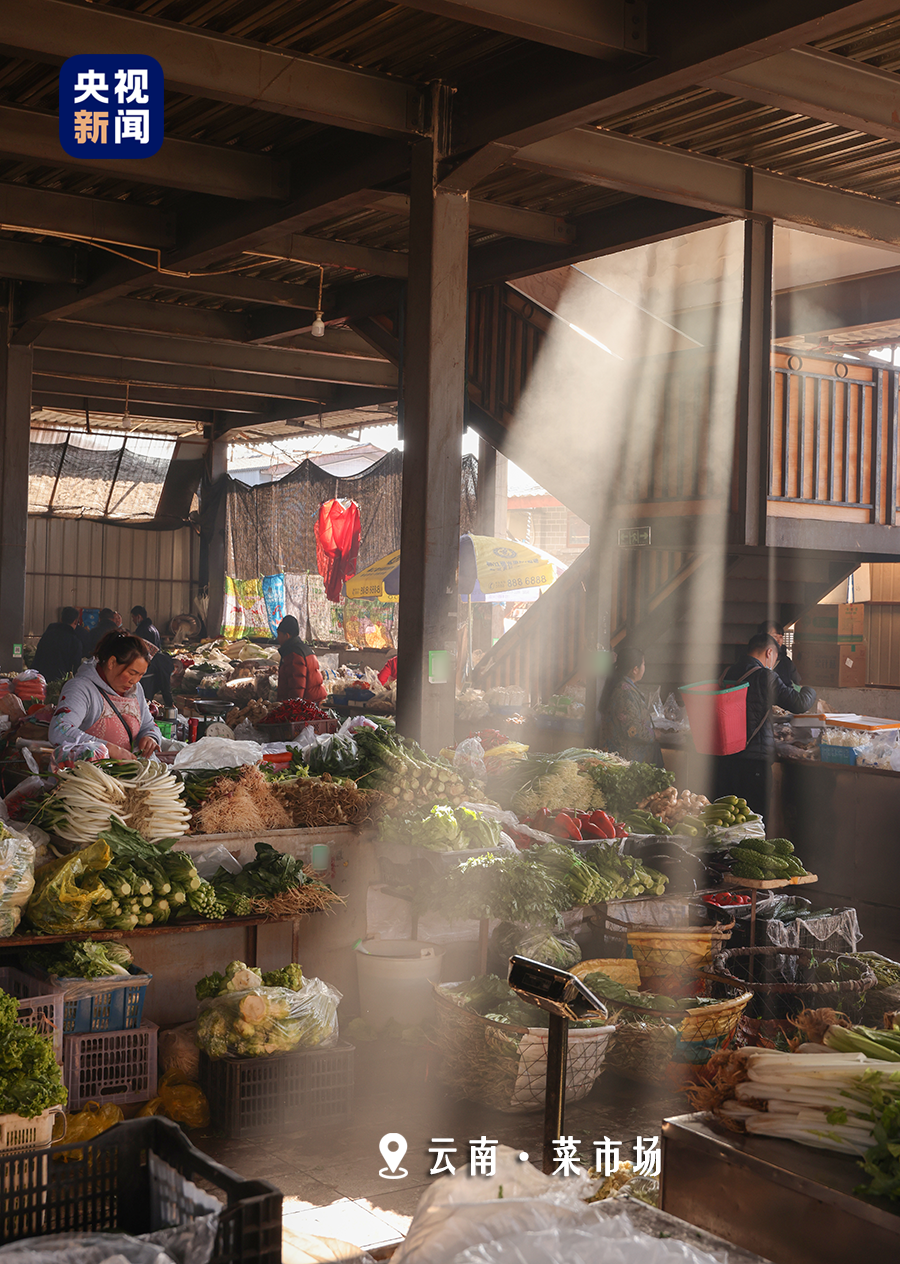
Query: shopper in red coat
{"type": "Point", "coordinates": [298, 672]}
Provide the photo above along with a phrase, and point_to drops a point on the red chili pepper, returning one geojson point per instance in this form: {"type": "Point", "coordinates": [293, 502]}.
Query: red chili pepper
{"type": "Point", "coordinates": [621, 831]}
{"type": "Point", "coordinates": [590, 830]}
{"type": "Point", "coordinates": [542, 819]}
{"type": "Point", "coordinates": [605, 822]}
{"type": "Point", "coordinates": [565, 827]}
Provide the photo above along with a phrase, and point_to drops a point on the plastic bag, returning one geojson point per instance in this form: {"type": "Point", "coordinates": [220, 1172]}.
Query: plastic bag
{"type": "Point", "coordinates": [211, 859]}
{"type": "Point", "coordinates": [469, 759]}
{"type": "Point", "coordinates": [58, 905]}
{"type": "Point", "coordinates": [180, 1099]}
{"type": "Point", "coordinates": [263, 1021]}
{"type": "Point", "coordinates": [86, 1123]}
{"type": "Point", "coordinates": [189, 1243]}
{"type": "Point", "coordinates": [16, 877]}
{"type": "Point", "coordinates": [584, 1237]}
{"type": "Point", "coordinates": [17, 800]}
{"type": "Point", "coordinates": [178, 1050]}
{"type": "Point", "coordinates": [218, 752]}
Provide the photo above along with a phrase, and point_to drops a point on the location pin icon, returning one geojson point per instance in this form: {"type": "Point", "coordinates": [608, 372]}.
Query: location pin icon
{"type": "Point", "coordinates": [393, 1147]}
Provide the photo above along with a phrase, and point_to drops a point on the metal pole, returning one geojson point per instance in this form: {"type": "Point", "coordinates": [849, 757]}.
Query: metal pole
{"type": "Point", "coordinates": [555, 1102]}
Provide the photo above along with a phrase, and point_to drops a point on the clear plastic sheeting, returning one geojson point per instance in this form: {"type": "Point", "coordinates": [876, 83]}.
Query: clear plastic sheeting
{"type": "Point", "coordinates": [585, 1239]}
{"type": "Point", "coordinates": [218, 752]}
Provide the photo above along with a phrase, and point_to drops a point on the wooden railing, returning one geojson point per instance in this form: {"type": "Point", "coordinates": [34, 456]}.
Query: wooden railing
{"type": "Point", "coordinates": [833, 439]}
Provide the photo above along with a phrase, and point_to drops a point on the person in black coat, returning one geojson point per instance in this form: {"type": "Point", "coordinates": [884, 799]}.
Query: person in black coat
{"type": "Point", "coordinates": [110, 621]}
{"type": "Point", "coordinates": [144, 628]}
{"type": "Point", "coordinates": [748, 773]}
{"type": "Point", "coordinates": [59, 650]}
{"type": "Point", "coordinates": [785, 666]}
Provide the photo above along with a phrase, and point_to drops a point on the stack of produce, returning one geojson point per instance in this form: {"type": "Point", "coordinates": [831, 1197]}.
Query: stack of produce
{"type": "Point", "coordinates": [576, 826]}
{"type": "Point", "coordinates": [314, 802]}
{"type": "Point", "coordinates": [141, 793]}
{"type": "Point", "coordinates": [498, 884]}
{"type": "Point", "coordinates": [641, 821]}
{"type": "Point", "coordinates": [254, 712]}
{"type": "Point", "coordinates": [120, 882]}
{"type": "Point", "coordinates": [554, 782]}
{"type": "Point", "coordinates": [403, 772]}
{"type": "Point", "coordinates": [765, 860]}
{"type": "Point", "coordinates": [581, 881]}
{"type": "Point", "coordinates": [442, 829]}
{"type": "Point", "coordinates": [247, 1014]}
{"type": "Point", "coordinates": [297, 711]}
{"type": "Point", "coordinates": [239, 804]}
{"type": "Point", "coordinates": [30, 1079]}
{"type": "Point", "coordinates": [274, 884]}
{"type": "Point", "coordinates": [672, 808]}
{"type": "Point", "coordinates": [726, 811]}
{"type": "Point", "coordinates": [623, 877]}
{"type": "Point", "coordinates": [843, 1095]}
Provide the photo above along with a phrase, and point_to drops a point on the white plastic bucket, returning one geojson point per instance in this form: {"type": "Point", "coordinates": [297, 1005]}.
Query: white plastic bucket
{"type": "Point", "coordinates": [395, 978]}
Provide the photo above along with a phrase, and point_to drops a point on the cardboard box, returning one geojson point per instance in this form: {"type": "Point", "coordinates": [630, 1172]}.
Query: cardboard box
{"type": "Point", "coordinates": [832, 664]}
{"type": "Point", "coordinates": [833, 623]}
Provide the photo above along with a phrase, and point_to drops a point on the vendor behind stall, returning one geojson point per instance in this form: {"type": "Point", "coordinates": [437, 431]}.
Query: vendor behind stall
{"type": "Point", "coordinates": [626, 725]}
{"type": "Point", "coordinates": [748, 772]}
{"type": "Point", "coordinates": [102, 710]}
{"type": "Point", "coordinates": [298, 672]}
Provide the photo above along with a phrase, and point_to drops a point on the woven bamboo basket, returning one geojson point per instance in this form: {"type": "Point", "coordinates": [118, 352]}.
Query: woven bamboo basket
{"type": "Point", "coordinates": [659, 1046]}
{"type": "Point", "coordinates": [504, 1066]}
{"type": "Point", "coordinates": [670, 960]}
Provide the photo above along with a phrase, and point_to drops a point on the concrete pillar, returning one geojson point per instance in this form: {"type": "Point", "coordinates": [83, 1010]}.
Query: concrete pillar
{"type": "Point", "coordinates": [212, 559]}
{"type": "Point", "coordinates": [754, 391]}
{"type": "Point", "coordinates": [15, 429]}
{"type": "Point", "coordinates": [434, 385]}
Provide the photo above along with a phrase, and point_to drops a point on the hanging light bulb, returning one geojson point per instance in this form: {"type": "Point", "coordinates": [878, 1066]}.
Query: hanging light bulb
{"type": "Point", "coordinates": [317, 329]}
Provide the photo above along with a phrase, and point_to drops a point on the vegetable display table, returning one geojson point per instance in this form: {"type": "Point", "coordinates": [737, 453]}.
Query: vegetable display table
{"type": "Point", "coordinates": [753, 885]}
{"type": "Point", "coordinates": [788, 1202]}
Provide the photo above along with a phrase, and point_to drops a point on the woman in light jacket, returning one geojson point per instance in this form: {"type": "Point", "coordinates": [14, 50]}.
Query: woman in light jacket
{"type": "Point", "coordinates": [102, 711]}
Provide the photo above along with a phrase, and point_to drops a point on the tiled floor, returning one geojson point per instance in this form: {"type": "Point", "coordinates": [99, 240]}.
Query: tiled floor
{"type": "Point", "coordinates": [330, 1176]}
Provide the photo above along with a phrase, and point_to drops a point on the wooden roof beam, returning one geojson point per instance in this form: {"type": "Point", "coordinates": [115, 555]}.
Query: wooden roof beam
{"type": "Point", "coordinates": [92, 219]}
{"type": "Point", "coordinates": [140, 393]}
{"type": "Point", "coordinates": [496, 217]}
{"type": "Point", "coordinates": [204, 63]}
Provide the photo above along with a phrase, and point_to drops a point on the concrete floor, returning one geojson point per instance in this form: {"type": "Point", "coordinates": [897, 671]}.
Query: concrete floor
{"type": "Point", "coordinates": [330, 1176]}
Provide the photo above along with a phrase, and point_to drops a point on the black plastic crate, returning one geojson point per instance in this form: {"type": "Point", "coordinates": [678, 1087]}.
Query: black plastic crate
{"type": "Point", "coordinates": [252, 1097]}
{"type": "Point", "coordinates": [108, 1188]}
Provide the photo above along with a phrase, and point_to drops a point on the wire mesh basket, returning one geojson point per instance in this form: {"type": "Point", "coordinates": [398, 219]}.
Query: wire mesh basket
{"type": "Point", "coordinates": [504, 1066]}
{"type": "Point", "coordinates": [760, 971]}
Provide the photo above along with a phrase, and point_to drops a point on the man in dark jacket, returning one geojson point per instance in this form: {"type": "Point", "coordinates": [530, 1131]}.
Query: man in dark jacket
{"type": "Point", "coordinates": [298, 672]}
{"type": "Point", "coordinates": [748, 773]}
{"type": "Point", "coordinates": [109, 621]}
{"type": "Point", "coordinates": [59, 650]}
{"type": "Point", "coordinates": [144, 628]}
{"type": "Point", "coordinates": [785, 665]}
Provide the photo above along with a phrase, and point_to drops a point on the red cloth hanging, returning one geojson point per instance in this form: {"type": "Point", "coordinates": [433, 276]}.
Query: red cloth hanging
{"type": "Point", "coordinates": [337, 544]}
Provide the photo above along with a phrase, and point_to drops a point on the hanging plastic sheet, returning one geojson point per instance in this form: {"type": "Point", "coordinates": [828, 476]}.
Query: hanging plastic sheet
{"type": "Point", "coordinates": [274, 599]}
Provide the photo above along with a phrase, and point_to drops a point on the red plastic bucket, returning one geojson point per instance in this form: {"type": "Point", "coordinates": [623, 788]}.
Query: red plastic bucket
{"type": "Point", "coordinates": [718, 716]}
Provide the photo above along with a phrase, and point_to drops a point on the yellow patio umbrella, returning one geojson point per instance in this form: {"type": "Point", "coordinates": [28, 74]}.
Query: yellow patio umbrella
{"type": "Point", "coordinates": [487, 563]}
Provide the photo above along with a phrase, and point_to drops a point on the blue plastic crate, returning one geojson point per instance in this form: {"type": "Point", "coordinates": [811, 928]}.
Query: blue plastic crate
{"type": "Point", "coordinates": [837, 754]}
{"type": "Point", "coordinates": [111, 1004]}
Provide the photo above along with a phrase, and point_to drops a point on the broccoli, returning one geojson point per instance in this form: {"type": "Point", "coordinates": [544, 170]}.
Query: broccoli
{"type": "Point", "coordinates": [290, 977]}
{"type": "Point", "coordinates": [239, 977]}
{"type": "Point", "coordinates": [212, 985]}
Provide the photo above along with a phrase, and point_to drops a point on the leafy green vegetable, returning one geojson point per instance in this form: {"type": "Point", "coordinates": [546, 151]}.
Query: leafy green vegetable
{"type": "Point", "coordinates": [87, 960]}
{"type": "Point", "coordinates": [29, 1074]}
{"type": "Point", "coordinates": [211, 985]}
{"type": "Point", "coordinates": [623, 786]}
{"type": "Point", "coordinates": [270, 873]}
{"type": "Point", "coordinates": [442, 829]}
{"type": "Point", "coordinates": [504, 885]}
